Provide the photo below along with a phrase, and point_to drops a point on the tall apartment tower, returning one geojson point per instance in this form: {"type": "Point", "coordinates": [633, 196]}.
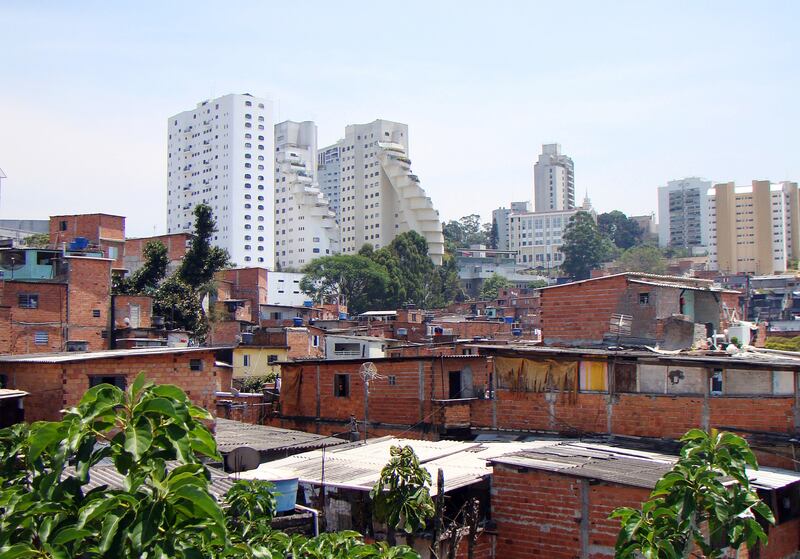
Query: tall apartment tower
{"type": "Point", "coordinates": [683, 213]}
{"type": "Point", "coordinates": [305, 227]}
{"type": "Point", "coordinates": [500, 218]}
{"type": "Point", "coordinates": [328, 174]}
{"type": "Point", "coordinates": [553, 180]}
{"type": "Point", "coordinates": [379, 196]}
{"type": "Point", "coordinates": [221, 154]}
{"type": "Point", "coordinates": [753, 229]}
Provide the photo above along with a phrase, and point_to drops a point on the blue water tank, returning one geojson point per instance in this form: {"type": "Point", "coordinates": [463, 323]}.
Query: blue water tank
{"type": "Point", "coordinates": [509, 319]}
{"type": "Point", "coordinates": [298, 321]}
{"type": "Point", "coordinates": [79, 243]}
{"type": "Point", "coordinates": [285, 494]}
{"type": "Point", "coordinates": [516, 331]}
{"type": "Point", "coordinates": [308, 304]}
{"type": "Point", "coordinates": [342, 316]}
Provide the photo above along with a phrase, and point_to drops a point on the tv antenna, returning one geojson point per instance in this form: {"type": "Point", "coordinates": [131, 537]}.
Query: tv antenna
{"type": "Point", "coordinates": [369, 372]}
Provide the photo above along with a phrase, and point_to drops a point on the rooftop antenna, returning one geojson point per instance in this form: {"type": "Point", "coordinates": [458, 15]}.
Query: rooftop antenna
{"type": "Point", "coordinates": [368, 373]}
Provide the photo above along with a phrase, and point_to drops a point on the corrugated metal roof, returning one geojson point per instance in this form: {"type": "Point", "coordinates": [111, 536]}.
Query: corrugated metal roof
{"type": "Point", "coordinates": [772, 478]}
{"type": "Point", "coordinates": [622, 466]}
{"type": "Point", "coordinates": [10, 393]}
{"type": "Point", "coordinates": [108, 475]}
{"type": "Point", "coordinates": [234, 434]}
{"type": "Point", "coordinates": [358, 466]}
{"type": "Point", "coordinates": [67, 356]}
{"type": "Point", "coordinates": [683, 286]}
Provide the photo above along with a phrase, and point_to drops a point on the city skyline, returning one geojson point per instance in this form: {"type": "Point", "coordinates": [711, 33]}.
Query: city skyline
{"type": "Point", "coordinates": [642, 97]}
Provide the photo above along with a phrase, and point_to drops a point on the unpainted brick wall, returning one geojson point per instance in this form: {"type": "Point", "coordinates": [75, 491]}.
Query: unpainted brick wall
{"type": "Point", "coordinates": [538, 514]}
{"type": "Point", "coordinates": [89, 289]}
{"type": "Point", "coordinates": [49, 316]}
{"type": "Point", "coordinates": [55, 386]}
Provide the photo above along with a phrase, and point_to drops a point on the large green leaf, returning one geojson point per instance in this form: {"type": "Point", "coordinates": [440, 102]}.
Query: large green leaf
{"type": "Point", "coordinates": [138, 439]}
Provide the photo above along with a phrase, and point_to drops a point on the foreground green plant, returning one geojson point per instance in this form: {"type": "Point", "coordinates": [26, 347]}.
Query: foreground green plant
{"type": "Point", "coordinates": [155, 438]}
{"type": "Point", "coordinates": [705, 502]}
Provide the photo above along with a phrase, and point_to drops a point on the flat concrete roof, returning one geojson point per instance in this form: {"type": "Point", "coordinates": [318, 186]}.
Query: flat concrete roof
{"type": "Point", "coordinates": [71, 356]}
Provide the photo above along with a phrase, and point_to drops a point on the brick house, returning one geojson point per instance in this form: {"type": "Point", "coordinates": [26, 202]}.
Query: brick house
{"type": "Point", "coordinates": [428, 395]}
{"type": "Point", "coordinates": [60, 299]}
{"type": "Point", "coordinates": [58, 380]}
{"type": "Point", "coordinates": [555, 501]}
{"type": "Point", "coordinates": [177, 244]}
{"type": "Point", "coordinates": [564, 391]}
{"type": "Point", "coordinates": [578, 313]}
{"type": "Point", "coordinates": [102, 231]}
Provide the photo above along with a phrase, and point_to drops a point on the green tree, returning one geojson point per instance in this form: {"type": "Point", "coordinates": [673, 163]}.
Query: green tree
{"type": "Point", "coordinates": [416, 270]}
{"type": "Point", "coordinates": [492, 286]}
{"type": "Point", "coordinates": [161, 511]}
{"type": "Point", "coordinates": [146, 279]}
{"type": "Point", "coordinates": [354, 280]}
{"type": "Point", "coordinates": [692, 506]}
{"type": "Point", "coordinates": [402, 495]}
{"type": "Point", "coordinates": [202, 260]}
{"type": "Point", "coordinates": [644, 258]}
{"type": "Point", "coordinates": [180, 305]}
{"type": "Point", "coordinates": [37, 240]}
{"type": "Point", "coordinates": [466, 231]}
{"type": "Point", "coordinates": [494, 236]}
{"type": "Point", "coordinates": [584, 247]}
{"type": "Point", "coordinates": [623, 231]}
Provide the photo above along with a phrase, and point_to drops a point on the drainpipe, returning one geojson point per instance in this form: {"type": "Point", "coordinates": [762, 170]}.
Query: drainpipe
{"type": "Point", "coordinates": [314, 513]}
{"type": "Point", "coordinates": [112, 337]}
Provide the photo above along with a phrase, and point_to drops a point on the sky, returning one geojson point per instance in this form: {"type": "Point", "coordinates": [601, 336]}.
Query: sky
{"type": "Point", "coordinates": [637, 93]}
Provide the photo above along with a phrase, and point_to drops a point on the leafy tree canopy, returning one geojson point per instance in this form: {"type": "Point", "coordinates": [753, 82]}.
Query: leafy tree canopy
{"type": "Point", "coordinates": [584, 247]}
{"type": "Point", "coordinates": [48, 511]}
{"type": "Point", "coordinates": [352, 279]}
{"type": "Point", "coordinates": [180, 306]}
{"type": "Point", "coordinates": [402, 495]}
{"type": "Point", "coordinates": [466, 231]}
{"type": "Point", "coordinates": [37, 240]}
{"type": "Point", "coordinates": [644, 258]}
{"type": "Point", "coordinates": [153, 270]}
{"type": "Point", "coordinates": [492, 286]}
{"type": "Point", "coordinates": [202, 260]}
{"type": "Point", "coordinates": [620, 229]}
{"type": "Point", "coordinates": [692, 506]}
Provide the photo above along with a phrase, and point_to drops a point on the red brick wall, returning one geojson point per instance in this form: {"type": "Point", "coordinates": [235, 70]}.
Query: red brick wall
{"type": "Point", "coordinates": [55, 386]}
{"type": "Point", "coordinates": [250, 284]}
{"type": "Point", "coordinates": [22, 325]}
{"type": "Point", "coordinates": [122, 309]}
{"type": "Point", "coordinates": [89, 290]}
{"type": "Point", "coordinates": [394, 404]}
{"type": "Point", "coordinates": [223, 332]}
{"type": "Point", "coordinates": [176, 245]}
{"type": "Point", "coordinates": [784, 541]}
{"type": "Point", "coordinates": [538, 514]}
{"type": "Point", "coordinates": [300, 343]}
{"type": "Point", "coordinates": [101, 229]}
{"type": "Point", "coordinates": [580, 311]}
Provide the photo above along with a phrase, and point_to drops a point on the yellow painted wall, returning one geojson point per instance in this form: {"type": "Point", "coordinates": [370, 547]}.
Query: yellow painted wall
{"type": "Point", "coordinates": [259, 357]}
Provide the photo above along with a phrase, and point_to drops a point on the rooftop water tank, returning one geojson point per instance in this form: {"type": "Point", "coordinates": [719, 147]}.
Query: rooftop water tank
{"type": "Point", "coordinates": [297, 321]}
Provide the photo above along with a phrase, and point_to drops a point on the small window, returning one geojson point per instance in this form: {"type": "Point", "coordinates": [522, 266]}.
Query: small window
{"type": "Point", "coordinates": [113, 380]}
{"type": "Point", "coordinates": [715, 382]}
{"type": "Point", "coordinates": [392, 380]}
{"type": "Point", "coordinates": [41, 338]}
{"type": "Point", "coordinates": [96, 313]}
{"type": "Point", "coordinates": [62, 226]}
{"type": "Point", "coordinates": [315, 341]}
{"type": "Point", "coordinates": [246, 360]}
{"type": "Point", "coordinates": [644, 298]}
{"type": "Point", "coordinates": [341, 386]}
{"type": "Point", "coordinates": [28, 300]}
{"type": "Point", "coordinates": [195, 364]}
{"type": "Point", "coordinates": [272, 359]}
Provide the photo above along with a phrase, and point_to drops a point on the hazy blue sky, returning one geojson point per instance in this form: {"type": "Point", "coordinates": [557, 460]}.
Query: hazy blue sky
{"type": "Point", "coordinates": [637, 93]}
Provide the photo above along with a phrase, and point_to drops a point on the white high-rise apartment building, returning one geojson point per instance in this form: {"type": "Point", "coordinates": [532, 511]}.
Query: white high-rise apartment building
{"type": "Point", "coordinates": [305, 227]}
{"type": "Point", "coordinates": [500, 218]}
{"type": "Point", "coordinates": [537, 237]}
{"type": "Point", "coordinates": [683, 213]}
{"type": "Point", "coordinates": [328, 174]}
{"type": "Point", "coordinates": [221, 154]}
{"type": "Point", "coordinates": [379, 197]}
{"type": "Point", "coordinates": [553, 180]}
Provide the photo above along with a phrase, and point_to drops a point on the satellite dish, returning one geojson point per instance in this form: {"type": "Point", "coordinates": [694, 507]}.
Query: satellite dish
{"type": "Point", "coordinates": [242, 459]}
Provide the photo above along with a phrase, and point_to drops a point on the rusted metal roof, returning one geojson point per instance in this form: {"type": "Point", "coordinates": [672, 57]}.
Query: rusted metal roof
{"type": "Point", "coordinates": [234, 434]}
{"type": "Point", "coordinates": [10, 393]}
{"type": "Point", "coordinates": [70, 356]}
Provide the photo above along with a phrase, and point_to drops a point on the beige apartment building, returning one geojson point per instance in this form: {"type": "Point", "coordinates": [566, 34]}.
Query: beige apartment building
{"type": "Point", "coordinates": [753, 229]}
